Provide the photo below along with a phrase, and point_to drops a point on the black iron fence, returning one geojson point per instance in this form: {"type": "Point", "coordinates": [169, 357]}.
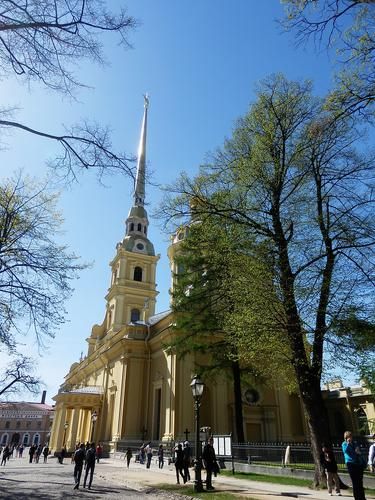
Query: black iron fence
{"type": "Point", "coordinates": [285, 454]}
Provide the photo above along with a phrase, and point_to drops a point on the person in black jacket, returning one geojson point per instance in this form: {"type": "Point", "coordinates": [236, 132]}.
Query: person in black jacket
{"type": "Point", "coordinates": [209, 461]}
{"type": "Point", "coordinates": [90, 465]}
{"type": "Point", "coordinates": [329, 465]}
{"type": "Point", "coordinates": [179, 463]}
{"type": "Point", "coordinates": [79, 458]}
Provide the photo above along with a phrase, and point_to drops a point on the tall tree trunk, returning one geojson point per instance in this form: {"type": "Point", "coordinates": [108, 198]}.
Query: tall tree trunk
{"type": "Point", "coordinates": [317, 419]}
{"type": "Point", "coordinates": [238, 401]}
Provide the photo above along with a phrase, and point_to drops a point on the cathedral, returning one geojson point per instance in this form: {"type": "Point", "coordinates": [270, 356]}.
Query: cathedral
{"type": "Point", "coordinates": [131, 387]}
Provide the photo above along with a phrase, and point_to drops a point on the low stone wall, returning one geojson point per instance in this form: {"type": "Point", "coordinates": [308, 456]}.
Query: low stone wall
{"type": "Point", "coordinates": [368, 480]}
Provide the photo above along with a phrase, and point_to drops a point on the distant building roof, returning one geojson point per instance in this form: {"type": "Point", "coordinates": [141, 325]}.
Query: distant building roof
{"type": "Point", "coordinates": [25, 409]}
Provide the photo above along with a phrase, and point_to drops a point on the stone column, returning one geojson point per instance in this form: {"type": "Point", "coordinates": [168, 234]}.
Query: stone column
{"type": "Point", "coordinates": [73, 429]}
{"type": "Point", "coordinates": [122, 394]}
{"type": "Point", "coordinates": [169, 395]}
{"type": "Point", "coordinates": [58, 429]}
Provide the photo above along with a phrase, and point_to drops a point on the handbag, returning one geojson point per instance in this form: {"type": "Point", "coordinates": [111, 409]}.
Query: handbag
{"type": "Point", "coordinates": [216, 469]}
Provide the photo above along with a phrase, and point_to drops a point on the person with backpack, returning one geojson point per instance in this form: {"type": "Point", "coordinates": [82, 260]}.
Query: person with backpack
{"type": "Point", "coordinates": [90, 465]}
{"type": "Point", "coordinates": [79, 458]}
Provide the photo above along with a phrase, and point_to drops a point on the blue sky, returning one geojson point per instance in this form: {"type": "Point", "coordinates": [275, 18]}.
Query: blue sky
{"type": "Point", "coordinates": [199, 61]}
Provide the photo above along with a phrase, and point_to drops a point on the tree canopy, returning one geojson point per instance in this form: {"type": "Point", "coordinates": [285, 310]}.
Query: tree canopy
{"type": "Point", "coordinates": [348, 26]}
{"type": "Point", "coordinates": [291, 178]}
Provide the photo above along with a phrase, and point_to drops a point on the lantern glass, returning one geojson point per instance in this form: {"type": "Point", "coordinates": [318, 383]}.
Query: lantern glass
{"type": "Point", "coordinates": [197, 387]}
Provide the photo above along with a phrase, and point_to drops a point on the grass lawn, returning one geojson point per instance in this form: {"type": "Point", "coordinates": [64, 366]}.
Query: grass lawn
{"type": "Point", "coordinates": [290, 481]}
{"type": "Point", "coordinates": [189, 491]}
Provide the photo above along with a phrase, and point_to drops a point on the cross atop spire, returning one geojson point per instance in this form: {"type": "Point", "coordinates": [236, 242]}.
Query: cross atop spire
{"type": "Point", "coordinates": [139, 190]}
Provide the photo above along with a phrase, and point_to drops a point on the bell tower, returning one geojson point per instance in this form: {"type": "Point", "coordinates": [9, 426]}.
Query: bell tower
{"type": "Point", "coordinates": [132, 294]}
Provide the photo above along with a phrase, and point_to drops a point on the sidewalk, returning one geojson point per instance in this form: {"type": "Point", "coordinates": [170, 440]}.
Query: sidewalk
{"type": "Point", "coordinates": [140, 477]}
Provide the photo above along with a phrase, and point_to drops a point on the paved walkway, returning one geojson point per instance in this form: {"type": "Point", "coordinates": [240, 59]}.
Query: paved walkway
{"type": "Point", "coordinates": [139, 477]}
{"type": "Point", "coordinates": [20, 480]}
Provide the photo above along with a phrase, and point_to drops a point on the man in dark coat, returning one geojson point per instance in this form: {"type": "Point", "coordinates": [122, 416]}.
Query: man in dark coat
{"type": "Point", "coordinates": [32, 450]}
{"type": "Point", "coordinates": [209, 461]}
{"type": "Point", "coordinates": [79, 458]}
{"type": "Point", "coordinates": [90, 465]}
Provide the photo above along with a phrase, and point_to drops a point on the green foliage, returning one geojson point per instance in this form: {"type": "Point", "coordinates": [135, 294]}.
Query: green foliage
{"type": "Point", "coordinates": [220, 303]}
{"type": "Point", "coordinates": [348, 27]}
{"type": "Point", "coordinates": [292, 185]}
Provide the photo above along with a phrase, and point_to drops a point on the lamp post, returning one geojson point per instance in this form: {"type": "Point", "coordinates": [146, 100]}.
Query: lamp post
{"type": "Point", "coordinates": [66, 425]}
{"type": "Point", "coordinates": [94, 418]}
{"type": "Point", "coordinates": [197, 387]}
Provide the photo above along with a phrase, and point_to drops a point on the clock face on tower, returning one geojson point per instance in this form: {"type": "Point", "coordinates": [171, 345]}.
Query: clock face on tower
{"type": "Point", "coordinates": [139, 246]}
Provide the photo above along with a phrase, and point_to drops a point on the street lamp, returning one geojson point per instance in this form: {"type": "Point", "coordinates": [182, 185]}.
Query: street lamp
{"type": "Point", "coordinates": [66, 425]}
{"type": "Point", "coordinates": [94, 418]}
{"type": "Point", "coordinates": [197, 387]}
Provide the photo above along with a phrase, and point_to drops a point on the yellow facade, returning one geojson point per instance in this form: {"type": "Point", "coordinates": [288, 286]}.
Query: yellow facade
{"type": "Point", "coordinates": [351, 407]}
{"type": "Point", "coordinates": [136, 385]}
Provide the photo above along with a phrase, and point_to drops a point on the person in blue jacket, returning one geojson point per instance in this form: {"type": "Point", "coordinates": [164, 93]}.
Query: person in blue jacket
{"type": "Point", "coordinates": [354, 464]}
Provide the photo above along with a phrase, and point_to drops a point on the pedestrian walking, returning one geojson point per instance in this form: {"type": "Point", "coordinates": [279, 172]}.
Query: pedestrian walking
{"type": "Point", "coordinates": [6, 454]}
{"type": "Point", "coordinates": [38, 452]}
{"type": "Point", "coordinates": [79, 458]}
{"type": "Point", "coordinates": [179, 463]}
{"type": "Point", "coordinates": [45, 453]}
{"type": "Point", "coordinates": [99, 452]}
{"type": "Point", "coordinates": [187, 460]}
{"type": "Point", "coordinates": [20, 451]}
{"type": "Point", "coordinates": [32, 450]}
{"type": "Point", "coordinates": [209, 461]}
{"type": "Point", "coordinates": [142, 454]}
{"type": "Point", "coordinates": [62, 455]}
{"type": "Point", "coordinates": [149, 453]}
{"type": "Point", "coordinates": [355, 465]}
{"type": "Point", "coordinates": [129, 455]}
{"type": "Point", "coordinates": [161, 456]}
{"type": "Point", "coordinates": [329, 466]}
{"type": "Point", "coordinates": [90, 465]}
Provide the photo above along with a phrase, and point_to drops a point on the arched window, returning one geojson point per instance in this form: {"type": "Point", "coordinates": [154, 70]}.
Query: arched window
{"type": "Point", "coordinates": [362, 422]}
{"type": "Point", "coordinates": [135, 315]}
{"type": "Point", "coordinates": [18, 425]}
{"type": "Point", "coordinates": [132, 226]}
{"type": "Point", "coordinates": [4, 439]}
{"type": "Point", "coordinates": [36, 439]}
{"type": "Point", "coordinates": [137, 273]}
{"type": "Point", "coordinates": [7, 425]}
{"type": "Point", "coordinates": [26, 440]}
{"type": "Point", "coordinates": [145, 230]}
{"type": "Point", "coordinates": [139, 227]}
